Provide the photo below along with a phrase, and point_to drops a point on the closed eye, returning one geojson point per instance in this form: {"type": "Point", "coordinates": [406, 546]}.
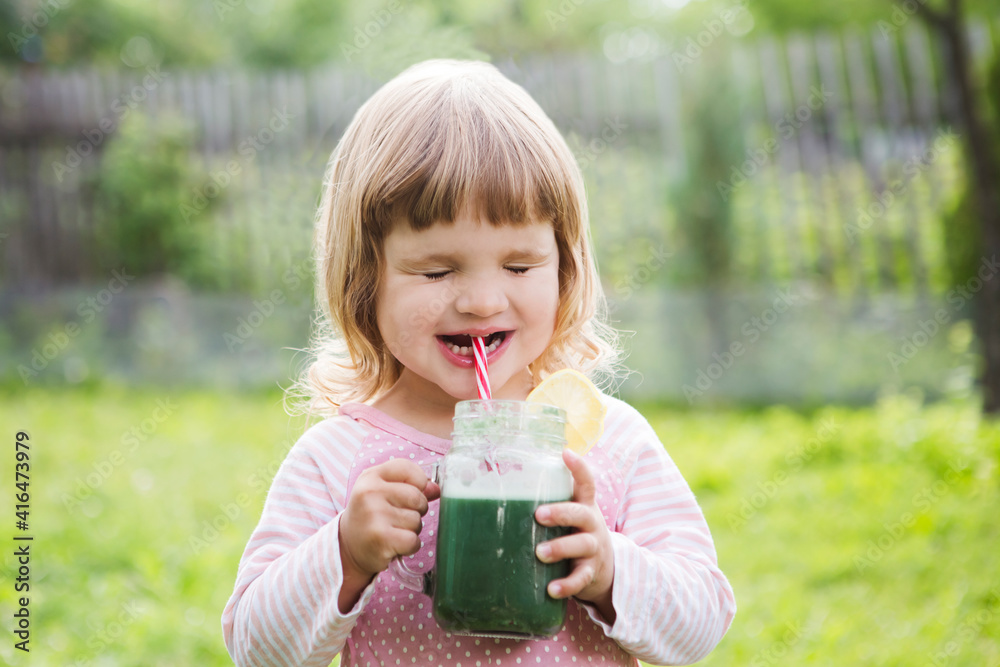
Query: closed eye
{"type": "Point", "coordinates": [436, 276]}
{"type": "Point", "coordinates": [518, 270]}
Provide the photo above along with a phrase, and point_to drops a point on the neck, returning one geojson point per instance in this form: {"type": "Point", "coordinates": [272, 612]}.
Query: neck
{"type": "Point", "coordinates": [428, 413]}
{"type": "Point", "coordinates": [427, 408]}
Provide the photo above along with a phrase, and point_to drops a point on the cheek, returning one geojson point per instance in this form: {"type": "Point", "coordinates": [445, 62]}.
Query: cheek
{"type": "Point", "coordinates": [411, 312]}
{"type": "Point", "coordinates": [392, 336]}
{"type": "Point", "coordinates": [390, 317]}
{"type": "Point", "coordinates": [382, 312]}
{"type": "Point", "coordinates": [423, 308]}
{"type": "Point", "coordinates": [546, 302]}
{"type": "Point", "coordinates": [555, 314]}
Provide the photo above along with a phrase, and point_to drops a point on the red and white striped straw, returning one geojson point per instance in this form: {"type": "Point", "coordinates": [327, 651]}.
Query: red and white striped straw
{"type": "Point", "coordinates": [482, 368]}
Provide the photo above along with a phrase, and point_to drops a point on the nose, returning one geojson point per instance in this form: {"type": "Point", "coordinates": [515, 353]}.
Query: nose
{"type": "Point", "coordinates": [481, 297]}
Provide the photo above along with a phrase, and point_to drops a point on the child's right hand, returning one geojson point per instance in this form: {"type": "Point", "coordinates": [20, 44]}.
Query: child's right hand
{"type": "Point", "coordinates": [382, 521]}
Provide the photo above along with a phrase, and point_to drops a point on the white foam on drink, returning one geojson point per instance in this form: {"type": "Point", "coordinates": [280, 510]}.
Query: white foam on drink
{"type": "Point", "coordinates": [543, 481]}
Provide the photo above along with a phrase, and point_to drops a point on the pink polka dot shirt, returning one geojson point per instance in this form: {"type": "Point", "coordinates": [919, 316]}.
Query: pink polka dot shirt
{"type": "Point", "coordinates": [673, 604]}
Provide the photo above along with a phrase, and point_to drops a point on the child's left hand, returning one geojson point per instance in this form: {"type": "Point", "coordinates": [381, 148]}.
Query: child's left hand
{"type": "Point", "coordinates": [590, 547]}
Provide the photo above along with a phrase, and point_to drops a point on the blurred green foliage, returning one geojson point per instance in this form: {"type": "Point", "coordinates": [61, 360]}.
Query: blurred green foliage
{"type": "Point", "coordinates": [149, 217]}
{"type": "Point", "coordinates": [861, 537]}
{"type": "Point", "coordinates": [300, 33]}
{"type": "Point", "coordinates": [714, 144]}
{"type": "Point", "coordinates": [963, 236]}
{"type": "Point", "coordinates": [708, 237]}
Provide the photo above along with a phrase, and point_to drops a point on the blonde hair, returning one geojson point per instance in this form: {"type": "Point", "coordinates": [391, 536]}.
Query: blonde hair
{"type": "Point", "coordinates": [441, 138]}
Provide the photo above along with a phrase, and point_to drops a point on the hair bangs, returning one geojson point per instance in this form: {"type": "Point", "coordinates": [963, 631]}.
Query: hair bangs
{"type": "Point", "coordinates": [491, 161]}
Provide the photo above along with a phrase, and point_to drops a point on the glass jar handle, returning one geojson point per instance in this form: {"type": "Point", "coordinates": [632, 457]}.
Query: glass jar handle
{"type": "Point", "coordinates": [420, 582]}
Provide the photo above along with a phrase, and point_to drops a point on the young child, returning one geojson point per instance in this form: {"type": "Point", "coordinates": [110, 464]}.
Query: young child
{"type": "Point", "coordinates": [454, 208]}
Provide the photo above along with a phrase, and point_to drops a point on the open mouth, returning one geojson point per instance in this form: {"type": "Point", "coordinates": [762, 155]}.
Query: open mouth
{"type": "Point", "coordinates": [461, 344]}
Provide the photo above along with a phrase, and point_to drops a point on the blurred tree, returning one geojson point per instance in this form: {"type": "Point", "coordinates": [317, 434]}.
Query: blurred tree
{"type": "Point", "coordinates": [783, 16]}
{"type": "Point", "coordinates": [301, 33]}
{"type": "Point", "coordinates": [143, 190]}
{"type": "Point", "coordinates": [981, 138]}
{"type": "Point", "coordinates": [292, 33]}
{"type": "Point", "coordinates": [65, 32]}
{"type": "Point", "coordinates": [713, 146]}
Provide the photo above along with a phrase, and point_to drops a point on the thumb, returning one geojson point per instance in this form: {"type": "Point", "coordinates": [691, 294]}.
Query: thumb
{"type": "Point", "coordinates": [584, 487]}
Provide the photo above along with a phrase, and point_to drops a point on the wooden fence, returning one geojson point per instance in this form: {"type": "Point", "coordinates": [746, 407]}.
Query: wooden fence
{"type": "Point", "coordinates": [858, 161]}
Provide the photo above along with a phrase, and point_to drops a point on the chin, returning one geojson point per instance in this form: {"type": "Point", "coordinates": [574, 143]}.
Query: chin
{"type": "Point", "coordinates": [471, 393]}
{"type": "Point", "coordinates": [463, 393]}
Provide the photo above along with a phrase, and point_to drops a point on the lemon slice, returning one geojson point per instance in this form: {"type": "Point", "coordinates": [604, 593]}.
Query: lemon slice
{"type": "Point", "coordinates": [577, 395]}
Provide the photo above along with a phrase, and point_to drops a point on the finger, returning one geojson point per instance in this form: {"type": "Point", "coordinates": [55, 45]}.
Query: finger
{"type": "Point", "coordinates": [401, 470]}
{"type": "Point", "coordinates": [584, 487]}
{"type": "Point", "coordinates": [406, 497]}
{"type": "Point", "coordinates": [403, 542]}
{"type": "Point", "coordinates": [581, 577]}
{"type": "Point", "coordinates": [577, 545]}
{"type": "Point", "coordinates": [432, 491]}
{"type": "Point", "coordinates": [571, 515]}
{"type": "Point", "coordinates": [407, 520]}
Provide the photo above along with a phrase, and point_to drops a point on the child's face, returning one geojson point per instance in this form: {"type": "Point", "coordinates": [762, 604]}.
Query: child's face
{"type": "Point", "coordinates": [448, 282]}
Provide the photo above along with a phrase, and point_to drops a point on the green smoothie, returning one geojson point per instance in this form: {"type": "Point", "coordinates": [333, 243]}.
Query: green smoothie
{"type": "Point", "coordinates": [488, 577]}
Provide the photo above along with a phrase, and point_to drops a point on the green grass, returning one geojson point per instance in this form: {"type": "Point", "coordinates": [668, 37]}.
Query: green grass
{"type": "Point", "coordinates": [868, 536]}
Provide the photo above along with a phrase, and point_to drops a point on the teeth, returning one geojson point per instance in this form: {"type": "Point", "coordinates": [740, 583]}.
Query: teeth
{"type": "Point", "coordinates": [468, 351]}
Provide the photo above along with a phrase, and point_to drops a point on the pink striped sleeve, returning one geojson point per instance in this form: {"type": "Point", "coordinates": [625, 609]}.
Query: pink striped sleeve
{"type": "Point", "coordinates": [664, 555]}
{"type": "Point", "coordinates": [284, 609]}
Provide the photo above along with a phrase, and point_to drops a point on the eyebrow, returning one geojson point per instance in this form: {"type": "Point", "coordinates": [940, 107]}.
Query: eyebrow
{"type": "Point", "coordinates": [433, 258]}
{"type": "Point", "coordinates": [516, 254]}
